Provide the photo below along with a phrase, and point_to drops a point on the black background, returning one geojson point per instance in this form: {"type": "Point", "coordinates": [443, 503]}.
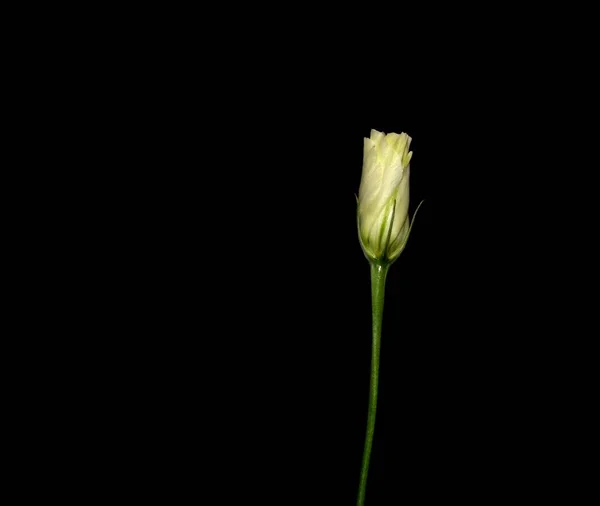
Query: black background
{"type": "Point", "coordinates": [264, 295]}
{"type": "Point", "coordinates": [445, 376]}
{"type": "Point", "coordinates": [201, 300]}
{"type": "Point", "coordinates": [237, 267]}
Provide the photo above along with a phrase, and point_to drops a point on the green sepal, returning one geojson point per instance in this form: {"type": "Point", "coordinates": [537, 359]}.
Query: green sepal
{"type": "Point", "coordinates": [404, 239]}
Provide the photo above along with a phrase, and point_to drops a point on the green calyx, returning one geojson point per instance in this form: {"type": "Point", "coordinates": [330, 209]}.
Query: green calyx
{"type": "Point", "coordinates": [387, 250]}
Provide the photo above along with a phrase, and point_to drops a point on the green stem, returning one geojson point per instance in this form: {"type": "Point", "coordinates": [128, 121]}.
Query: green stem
{"type": "Point", "coordinates": [378, 275]}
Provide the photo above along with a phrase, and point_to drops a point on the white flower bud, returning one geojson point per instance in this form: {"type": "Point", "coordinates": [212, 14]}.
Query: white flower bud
{"type": "Point", "coordinates": [383, 223]}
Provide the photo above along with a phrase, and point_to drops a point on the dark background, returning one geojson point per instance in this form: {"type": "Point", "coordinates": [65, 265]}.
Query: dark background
{"type": "Point", "coordinates": [202, 299]}
{"type": "Point", "coordinates": [475, 310]}
{"type": "Point", "coordinates": [244, 365]}
{"type": "Point", "coordinates": [259, 297]}
{"type": "Point", "coordinates": [447, 326]}
{"type": "Point", "coordinates": [269, 301]}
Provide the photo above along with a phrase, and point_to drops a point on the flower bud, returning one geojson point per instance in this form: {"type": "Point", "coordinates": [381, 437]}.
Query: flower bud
{"type": "Point", "coordinates": [383, 223]}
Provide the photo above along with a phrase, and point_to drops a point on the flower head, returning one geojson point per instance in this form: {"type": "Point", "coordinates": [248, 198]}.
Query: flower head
{"type": "Point", "coordinates": [383, 223]}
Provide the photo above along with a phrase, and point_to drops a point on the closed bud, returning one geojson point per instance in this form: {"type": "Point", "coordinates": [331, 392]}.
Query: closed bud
{"type": "Point", "coordinates": [383, 223]}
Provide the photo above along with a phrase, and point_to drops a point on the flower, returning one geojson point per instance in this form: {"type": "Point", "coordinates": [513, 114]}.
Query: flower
{"type": "Point", "coordinates": [383, 223]}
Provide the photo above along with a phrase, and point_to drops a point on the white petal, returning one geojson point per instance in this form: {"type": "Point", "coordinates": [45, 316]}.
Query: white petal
{"type": "Point", "coordinates": [385, 152]}
{"type": "Point", "coordinates": [392, 177]}
{"type": "Point", "coordinates": [402, 202]}
{"type": "Point", "coordinates": [368, 152]}
{"type": "Point", "coordinates": [394, 140]}
{"type": "Point", "coordinates": [376, 136]}
{"type": "Point", "coordinates": [373, 228]}
{"type": "Point", "coordinates": [372, 174]}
